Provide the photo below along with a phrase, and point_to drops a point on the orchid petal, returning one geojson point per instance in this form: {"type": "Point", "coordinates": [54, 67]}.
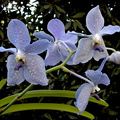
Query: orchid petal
{"type": "Point", "coordinates": [84, 51]}
{"type": "Point", "coordinates": [12, 50]}
{"type": "Point", "coordinates": [18, 34]}
{"type": "Point", "coordinates": [37, 47]}
{"type": "Point", "coordinates": [110, 29]}
{"type": "Point", "coordinates": [56, 28]}
{"type": "Point", "coordinates": [94, 76]}
{"type": "Point", "coordinates": [82, 96]}
{"type": "Point", "coordinates": [95, 96]}
{"type": "Point", "coordinates": [43, 35]}
{"type": "Point", "coordinates": [94, 20]}
{"type": "Point", "coordinates": [104, 79]}
{"type": "Point", "coordinates": [34, 71]}
{"type": "Point", "coordinates": [97, 55]}
{"type": "Point", "coordinates": [97, 77]}
{"type": "Point", "coordinates": [53, 56]}
{"type": "Point", "coordinates": [68, 37]}
{"type": "Point", "coordinates": [71, 46]}
{"type": "Point", "coordinates": [15, 77]}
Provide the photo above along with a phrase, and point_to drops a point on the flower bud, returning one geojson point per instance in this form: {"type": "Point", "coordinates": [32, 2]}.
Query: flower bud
{"type": "Point", "coordinates": [115, 57]}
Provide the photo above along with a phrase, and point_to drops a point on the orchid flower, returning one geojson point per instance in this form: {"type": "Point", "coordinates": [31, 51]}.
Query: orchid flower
{"type": "Point", "coordinates": [24, 63]}
{"type": "Point", "coordinates": [93, 45]}
{"type": "Point", "coordinates": [115, 57]}
{"type": "Point", "coordinates": [85, 90]}
{"type": "Point", "coordinates": [59, 44]}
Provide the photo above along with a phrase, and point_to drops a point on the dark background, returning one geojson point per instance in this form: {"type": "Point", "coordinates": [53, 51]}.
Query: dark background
{"type": "Point", "coordinates": [72, 14]}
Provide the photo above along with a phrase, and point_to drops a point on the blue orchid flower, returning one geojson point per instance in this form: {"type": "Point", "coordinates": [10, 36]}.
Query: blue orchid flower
{"type": "Point", "coordinates": [24, 63]}
{"type": "Point", "coordinates": [93, 45]}
{"type": "Point", "coordinates": [59, 44]}
{"type": "Point", "coordinates": [115, 57]}
{"type": "Point", "coordinates": [85, 90]}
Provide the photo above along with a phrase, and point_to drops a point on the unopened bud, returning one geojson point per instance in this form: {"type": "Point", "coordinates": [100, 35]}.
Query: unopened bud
{"type": "Point", "coordinates": [115, 57]}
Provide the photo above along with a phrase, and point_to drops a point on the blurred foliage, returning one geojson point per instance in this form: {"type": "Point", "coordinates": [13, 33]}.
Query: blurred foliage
{"type": "Point", "coordinates": [73, 13]}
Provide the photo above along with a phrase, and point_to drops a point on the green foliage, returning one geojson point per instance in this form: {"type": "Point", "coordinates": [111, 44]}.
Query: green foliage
{"type": "Point", "coordinates": [46, 106]}
{"type": "Point", "coordinates": [2, 83]}
{"type": "Point", "coordinates": [48, 93]}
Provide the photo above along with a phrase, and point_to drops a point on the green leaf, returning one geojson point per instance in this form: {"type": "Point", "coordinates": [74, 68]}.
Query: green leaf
{"type": "Point", "coordinates": [60, 9]}
{"type": "Point", "coordinates": [46, 6]}
{"type": "Point", "coordinates": [67, 25]}
{"type": "Point", "coordinates": [46, 106]}
{"type": "Point", "coordinates": [117, 21]}
{"type": "Point", "coordinates": [39, 93]}
{"type": "Point", "coordinates": [78, 15]}
{"type": "Point", "coordinates": [48, 93]}
{"type": "Point", "coordinates": [101, 101]}
{"type": "Point", "coordinates": [2, 83]}
{"type": "Point", "coordinates": [78, 24]}
{"type": "Point", "coordinates": [1, 34]}
{"type": "Point", "coordinates": [75, 25]}
{"type": "Point", "coordinates": [108, 12]}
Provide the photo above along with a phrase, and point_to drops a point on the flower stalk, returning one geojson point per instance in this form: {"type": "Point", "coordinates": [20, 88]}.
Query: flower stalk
{"type": "Point", "coordinates": [111, 49]}
{"type": "Point", "coordinates": [75, 74]}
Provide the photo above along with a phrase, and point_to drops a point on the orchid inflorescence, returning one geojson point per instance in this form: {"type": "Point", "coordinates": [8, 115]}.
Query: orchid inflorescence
{"type": "Point", "coordinates": [26, 64]}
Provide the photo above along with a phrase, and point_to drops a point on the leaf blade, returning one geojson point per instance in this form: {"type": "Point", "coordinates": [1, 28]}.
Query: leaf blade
{"type": "Point", "coordinates": [46, 106]}
{"type": "Point", "coordinates": [2, 83]}
{"type": "Point", "coordinates": [48, 93]}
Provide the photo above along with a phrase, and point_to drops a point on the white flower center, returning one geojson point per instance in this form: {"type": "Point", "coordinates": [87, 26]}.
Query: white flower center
{"type": "Point", "coordinates": [96, 40]}
{"type": "Point", "coordinates": [20, 57]}
{"type": "Point", "coordinates": [96, 88]}
{"type": "Point", "coordinates": [57, 42]}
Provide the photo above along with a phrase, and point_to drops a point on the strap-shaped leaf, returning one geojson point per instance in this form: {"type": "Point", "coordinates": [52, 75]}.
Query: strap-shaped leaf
{"type": "Point", "coordinates": [48, 93]}
{"type": "Point", "coordinates": [46, 106]}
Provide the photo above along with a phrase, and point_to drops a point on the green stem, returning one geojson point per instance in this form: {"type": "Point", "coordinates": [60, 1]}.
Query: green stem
{"type": "Point", "coordinates": [71, 53]}
{"type": "Point", "coordinates": [63, 64]}
{"type": "Point", "coordinates": [31, 85]}
{"type": "Point", "coordinates": [53, 69]}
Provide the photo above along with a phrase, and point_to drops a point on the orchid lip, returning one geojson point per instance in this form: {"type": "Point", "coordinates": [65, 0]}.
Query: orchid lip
{"type": "Point", "coordinates": [19, 65]}
{"type": "Point", "coordinates": [95, 96]}
{"type": "Point", "coordinates": [98, 48]}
